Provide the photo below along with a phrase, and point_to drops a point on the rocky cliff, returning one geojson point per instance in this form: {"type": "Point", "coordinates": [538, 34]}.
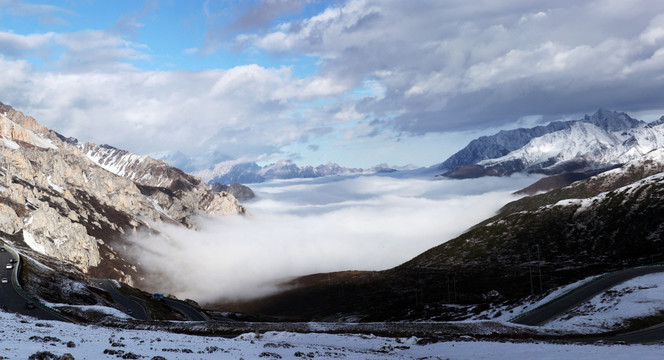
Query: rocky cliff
{"type": "Point", "coordinates": [77, 202]}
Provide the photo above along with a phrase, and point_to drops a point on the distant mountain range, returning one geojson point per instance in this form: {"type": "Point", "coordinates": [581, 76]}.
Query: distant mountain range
{"type": "Point", "coordinates": [600, 141]}
{"type": "Point", "coordinates": [250, 173]}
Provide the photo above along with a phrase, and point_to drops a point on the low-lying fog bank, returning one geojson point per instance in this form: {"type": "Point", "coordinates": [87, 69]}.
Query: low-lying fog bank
{"type": "Point", "coordinates": [300, 227]}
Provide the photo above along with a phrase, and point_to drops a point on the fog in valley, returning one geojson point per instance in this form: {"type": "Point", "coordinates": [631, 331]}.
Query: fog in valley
{"type": "Point", "coordinates": [300, 227]}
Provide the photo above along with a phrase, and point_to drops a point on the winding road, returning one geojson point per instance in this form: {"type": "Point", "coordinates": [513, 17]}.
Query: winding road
{"type": "Point", "coordinates": [189, 311]}
{"type": "Point", "coordinates": [13, 298]}
{"type": "Point", "coordinates": [132, 307]}
{"type": "Point", "coordinates": [549, 311]}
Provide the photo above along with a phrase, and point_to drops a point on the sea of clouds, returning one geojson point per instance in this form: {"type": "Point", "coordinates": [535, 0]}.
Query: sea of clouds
{"type": "Point", "coordinates": [300, 227]}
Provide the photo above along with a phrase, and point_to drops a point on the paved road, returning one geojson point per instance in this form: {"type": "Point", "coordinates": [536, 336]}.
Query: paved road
{"type": "Point", "coordinates": [189, 311]}
{"type": "Point", "coordinates": [12, 299]}
{"type": "Point", "coordinates": [551, 310]}
{"type": "Point", "coordinates": [653, 334]}
{"type": "Point", "coordinates": [131, 306]}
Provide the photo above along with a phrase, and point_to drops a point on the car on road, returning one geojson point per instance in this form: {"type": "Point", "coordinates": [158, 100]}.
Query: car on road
{"type": "Point", "coordinates": [12, 260]}
{"type": "Point", "coordinates": [9, 266]}
{"type": "Point", "coordinates": [130, 312]}
{"type": "Point", "coordinates": [4, 280]}
{"type": "Point", "coordinates": [29, 305]}
{"type": "Point", "coordinates": [2, 249]}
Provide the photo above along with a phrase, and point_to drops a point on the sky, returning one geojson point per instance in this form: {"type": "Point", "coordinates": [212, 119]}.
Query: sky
{"type": "Point", "coordinates": [356, 82]}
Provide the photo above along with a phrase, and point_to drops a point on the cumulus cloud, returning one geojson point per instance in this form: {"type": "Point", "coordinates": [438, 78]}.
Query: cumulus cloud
{"type": "Point", "coordinates": [388, 70]}
{"type": "Point", "coordinates": [310, 226]}
{"type": "Point", "coordinates": [447, 66]}
{"type": "Point", "coordinates": [15, 44]}
{"type": "Point", "coordinates": [244, 110]}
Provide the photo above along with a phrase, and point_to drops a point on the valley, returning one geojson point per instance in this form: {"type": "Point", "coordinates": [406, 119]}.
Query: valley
{"type": "Point", "coordinates": [81, 220]}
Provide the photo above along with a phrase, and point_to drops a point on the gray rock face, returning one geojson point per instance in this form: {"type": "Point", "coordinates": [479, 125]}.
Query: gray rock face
{"type": "Point", "coordinates": [241, 192]}
{"type": "Point", "coordinates": [76, 202]}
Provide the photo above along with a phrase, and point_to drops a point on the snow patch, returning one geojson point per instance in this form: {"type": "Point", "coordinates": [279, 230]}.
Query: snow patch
{"type": "Point", "coordinates": [40, 141]}
{"type": "Point", "coordinates": [32, 243]}
{"type": "Point", "coordinates": [10, 144]}
{"type": "Point", "coordinates": [55, 187]}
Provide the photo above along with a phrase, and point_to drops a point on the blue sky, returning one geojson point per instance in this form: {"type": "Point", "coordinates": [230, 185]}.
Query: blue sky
{"type": "Point", "coordinates": [357, 82]}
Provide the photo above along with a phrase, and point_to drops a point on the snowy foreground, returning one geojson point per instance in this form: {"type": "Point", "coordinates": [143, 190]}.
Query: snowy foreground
{"type": "Point", "coordinates": [22, 337]}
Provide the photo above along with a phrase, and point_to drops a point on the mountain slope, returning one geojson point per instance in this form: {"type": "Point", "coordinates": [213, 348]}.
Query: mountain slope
{"type": "Point", "coordinates": [55, 200]}
{"type": "Point", "coordinates": [530, 248]}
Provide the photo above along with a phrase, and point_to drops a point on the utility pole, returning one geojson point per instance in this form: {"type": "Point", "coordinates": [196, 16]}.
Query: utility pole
{"type": "Point", "coordinates": [449, 295]}
{"type": "Point", "coordinates": [454, 285]}
{"type": "Point", "coordinates": [530, 273]}
{"type": "Point", "coordinates": [539, 268]}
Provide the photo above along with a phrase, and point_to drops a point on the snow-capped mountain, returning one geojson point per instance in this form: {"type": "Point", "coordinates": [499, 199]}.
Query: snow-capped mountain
{"type": "Point", "coordinates": [249, 173]}
{"type": "Point", "coordinates": [141, 169]}
{"type": "Point", "coordinates": [602, 140]}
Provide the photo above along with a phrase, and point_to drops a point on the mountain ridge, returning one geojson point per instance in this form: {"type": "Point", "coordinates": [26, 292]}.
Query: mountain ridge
{"type": "Point", "coordinates": [533, 150]}
{"type": "Point", "coordinates": [251, 173]}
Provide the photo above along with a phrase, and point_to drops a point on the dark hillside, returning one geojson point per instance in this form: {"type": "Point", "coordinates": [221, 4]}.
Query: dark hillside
{"type": "Point", "coordinates": [517, 254]}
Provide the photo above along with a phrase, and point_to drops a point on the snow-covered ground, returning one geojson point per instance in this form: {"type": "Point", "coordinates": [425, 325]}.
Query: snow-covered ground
{"type": "Point", "coordinates": [21, 337]}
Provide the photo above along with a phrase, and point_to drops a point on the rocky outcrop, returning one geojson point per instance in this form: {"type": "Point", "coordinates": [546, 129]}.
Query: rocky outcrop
{"type": "Point", "coordinates": [59, 201]}
{"type": "Point", "coordinates": [176, 194]}
{"type": "Point", "coordinates": [241, 192]}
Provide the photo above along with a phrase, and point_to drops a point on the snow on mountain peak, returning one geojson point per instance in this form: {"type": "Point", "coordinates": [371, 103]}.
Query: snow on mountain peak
{"type": "Point", "coordinates": [603, 139]}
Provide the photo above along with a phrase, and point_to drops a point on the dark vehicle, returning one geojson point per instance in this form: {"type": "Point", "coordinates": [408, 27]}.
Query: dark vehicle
{"type": "Point", "coordinates": [2, 249]}
{"type": "Point", "coordinates": [29, 305]}
{"type": "Point", "coordinates": [12, 260]}
{"type": "Point", "coordinates": [130, 311]}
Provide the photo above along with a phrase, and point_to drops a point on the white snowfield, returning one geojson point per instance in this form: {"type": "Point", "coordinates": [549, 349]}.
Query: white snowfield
{"type": "Point", "coordinates": [23, 337]}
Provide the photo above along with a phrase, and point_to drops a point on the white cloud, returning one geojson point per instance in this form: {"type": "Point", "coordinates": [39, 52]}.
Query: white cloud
{"type": "Point", "coordinates": [433, 67]}
{"type": "Point", "coordinates": [302, 227]}
{"type": "Point", "coordinates": [655, 31]}
{"type": "Point", "coordinates": [442, 62]}
{"type": "Point", "coordinates": [11, 42]}
{"type": "Point", "coordinates": [244, 111]}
